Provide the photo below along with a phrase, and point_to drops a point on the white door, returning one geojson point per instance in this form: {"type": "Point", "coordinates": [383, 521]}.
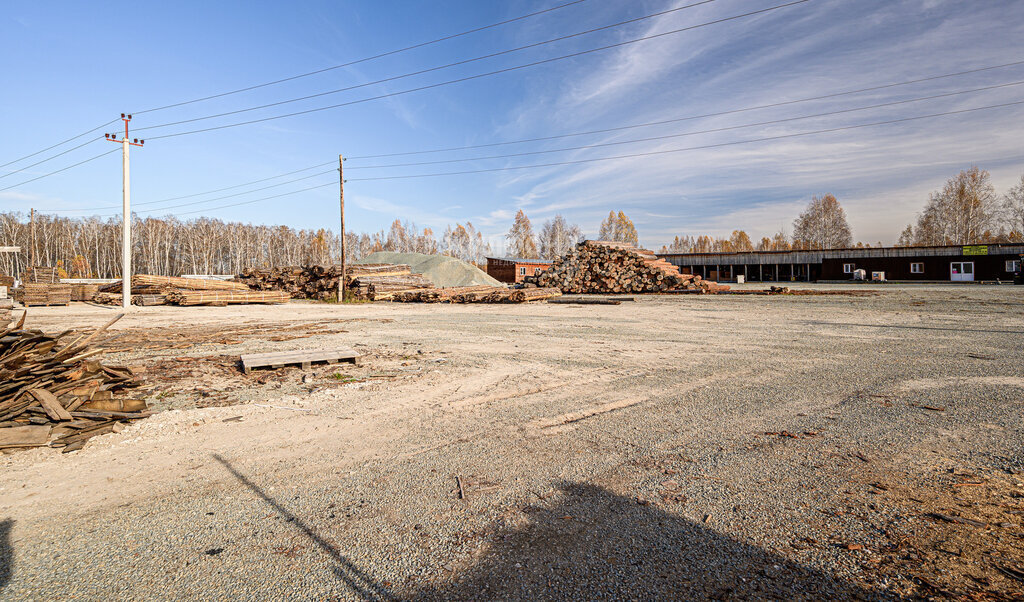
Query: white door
{"type": "Point", "coordinates": [961, 271]}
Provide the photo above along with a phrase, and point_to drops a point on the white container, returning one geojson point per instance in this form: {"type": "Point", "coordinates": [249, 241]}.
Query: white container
{"type": "Point", "coordinates": [740, 279]}
{"type": "Point", "coordinates": [3, 292]}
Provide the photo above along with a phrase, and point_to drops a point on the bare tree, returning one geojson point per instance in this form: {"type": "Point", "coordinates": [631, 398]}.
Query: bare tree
{"type": "Point", "coordinates": [822, 225]}
{"type": "Point", "coordinates": [557, 237]}
{"type": "Point", "coordinates": [522, 242]}
{"type": "Point", "coordinates": [963, 212]}
{"type": "Point", "coordinates": [1013, 205]}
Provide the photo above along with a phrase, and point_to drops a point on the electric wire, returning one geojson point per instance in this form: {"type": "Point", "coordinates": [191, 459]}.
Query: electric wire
{"type": "Point", "coordinates": [477, 76]}
{"type": "Point", "coordinates": [726, 128]}
{"type": "Point", "coordinates": [691, 148]}
{"type": "Point", "coordinates": [60, 170]}
{"type": "Point", "coordinates": [363, 60]}
{"type": "Point", "coordinates": [694, 133]}
{"type": "Point", "coordinates": [690, 117]}
{"type": "Point", "coordinates": [429, 70]}
{"type": "Point", "coordinates": [62, 153]}
{"type": "Point", "coordinates": [618, 157]}
{"type": "Point", "coordinates": [58, 144]}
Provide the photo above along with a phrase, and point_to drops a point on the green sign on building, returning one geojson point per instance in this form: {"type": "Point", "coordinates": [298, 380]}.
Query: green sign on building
{"type": "Point", "coordinates": [976, 250]}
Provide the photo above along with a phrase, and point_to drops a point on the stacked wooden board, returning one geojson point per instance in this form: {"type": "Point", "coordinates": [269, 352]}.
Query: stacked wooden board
{"type": "Point", "coordinates": [604, 267]}
{"type": "Point", "coordinates": [53, 390]}
{"type": "Point", "coordinates": [476, 294]}
{"type": "Point", "coordinates": [45, 294]}
{"type": "Point", "coordinates": [148, 289]}
{"type": "Point", "coordinates": [84, 292]}
{"type": "Point", "coordinates": [43, 275]}
{"type": "Point", "coordinates": [366, 281]}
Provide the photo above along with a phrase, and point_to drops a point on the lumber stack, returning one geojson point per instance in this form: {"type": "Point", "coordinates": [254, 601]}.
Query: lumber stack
{"type": "Point", "coordinates": [191, 297]}
{"type": "Point", "coordinates": [321, 282]}
{"type": "Point", "coordinates": [7, 281]}
{"type": "Point", "coordinates": [54, 392]}
{"type": "Point", "coordinates": [6, 306]}
{"type": "Point", "coordinates": [604, 267]}
{"type": "Point", "coordinates": [46, 294]}
{"type": "Point", "coordinates": [42, 275]}
{"type": "Point", "coordinates": [84, 292]}
{"type": "Point", "coordinates": [148, 284]}
{"type": "Point", "coordinates": [476, 294]}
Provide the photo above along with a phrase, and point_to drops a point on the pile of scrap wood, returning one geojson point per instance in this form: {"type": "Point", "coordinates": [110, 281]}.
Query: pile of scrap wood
{"type": "Point", "coordinates": [163, 290]}
{"type": "Point", "coordinates": [476, 294]}
{"type": "Point", "coordinates": [612, 267]}
{"type": "Point", "coordinates": [45, 294]}
{"type": "Point", "coordinates": [377, 281]}
{"type": "Point", "coordinates": [54, 392]}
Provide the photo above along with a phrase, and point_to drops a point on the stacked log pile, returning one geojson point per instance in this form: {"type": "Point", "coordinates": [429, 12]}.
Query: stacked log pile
{"type": "Point", "coordinates": [220, 297]}
{"type": "Point", "coordinates": [54, 392]}
{"type": "Point", "coordinates": [602, 267]}
{"type": "Point", "coordinates": [367, 281]}
{"type": "Point", "coordinates": [45, 294]}
{"type": "Point", "coordinates": [476, 294]}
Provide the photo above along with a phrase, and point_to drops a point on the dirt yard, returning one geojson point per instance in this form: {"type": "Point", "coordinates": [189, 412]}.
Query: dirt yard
{"type": "Point", "coordinates": [678, 447]}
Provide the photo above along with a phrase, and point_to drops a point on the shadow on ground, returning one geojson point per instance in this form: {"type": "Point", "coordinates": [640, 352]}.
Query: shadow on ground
{"type": "Point", "coordinates": [362, 584]}
{"type": "Point", "coordinates": [590, 543]}
{"type": "Point", "coordinates": [6, 553]}
{"type": "Point", "coordinates": [593, 544]}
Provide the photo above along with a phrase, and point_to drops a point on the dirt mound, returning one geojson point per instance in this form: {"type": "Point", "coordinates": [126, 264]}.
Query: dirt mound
{"type": "Point", "coordinates": [443, 271]}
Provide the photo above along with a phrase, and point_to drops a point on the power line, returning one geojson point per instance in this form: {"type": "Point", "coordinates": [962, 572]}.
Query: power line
{"type": "Point", "coordinates": [189, 196]}
{"type": "Point", "coordinates": [228, 196]}
{"type": "Point", "coordinates": [431, 69]}
{"type": "Point", "coordinates": [28, 167]}
{"type": "Point", "coordinates": [481, 75]}
{"type": "Point", "coordinates": [617, 157]}
{"type": "Point", "coordinates": [363, 60]}
{"type": "Point", "coordinates": [606, 130]}
{"type": "Point", "coordinates": [59, 143]}
{"type": "Point", "coordinates": [60, 170]}
{"type": "Point", "coordinates": [691, 148]}
{"type": "Point", "coordinates": [691, 117]}
{"type": "Point", "coordinates": [709, 131]}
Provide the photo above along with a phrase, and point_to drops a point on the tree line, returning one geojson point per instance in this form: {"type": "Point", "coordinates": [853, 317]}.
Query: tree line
{"type": "Point", "coordinates": [966, 210]}
{"type": "Point", "coordinates": [91, 247]}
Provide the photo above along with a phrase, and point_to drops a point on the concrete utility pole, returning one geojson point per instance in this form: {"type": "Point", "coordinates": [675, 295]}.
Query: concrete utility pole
{"type": "Point", "coordinates": [341, 191]}
{"type": "Point", "coordinates": [32, 259]}
{"type": "Point", "coordinates": [126, 224]}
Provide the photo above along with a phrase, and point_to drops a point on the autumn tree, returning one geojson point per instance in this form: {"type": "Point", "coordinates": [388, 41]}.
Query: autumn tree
{"type": "Point", "coordinates": [822, 225]}
{"type": "Point", "coordinates": [522, 242]}
{"type": "Point", "coordinates": [961, 213]}
{"type": "Point", "coordinates": [740, 242]}
{"type": "Point", "coordinates": [465, 243]}
{"type": "Point", "coordinates": [557, 237]}
{"type": "Point", "coordinates": [618, 227]}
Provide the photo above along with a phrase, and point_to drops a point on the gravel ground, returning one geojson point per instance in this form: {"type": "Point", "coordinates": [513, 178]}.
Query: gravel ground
{"type": "Point", "coordinates": [685, 447]}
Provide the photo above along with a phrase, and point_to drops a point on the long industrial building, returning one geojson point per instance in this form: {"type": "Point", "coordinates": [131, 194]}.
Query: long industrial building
{"type": "Point", "coordinates": [955, 263]}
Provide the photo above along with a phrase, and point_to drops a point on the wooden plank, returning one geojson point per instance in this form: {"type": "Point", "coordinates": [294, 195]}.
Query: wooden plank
{"type": "Point", "coordinates": [50, 404]}
{"type": "Point", "coordinates": [300, 357]}
{"type": "Point", "coordinates": [24, 436]}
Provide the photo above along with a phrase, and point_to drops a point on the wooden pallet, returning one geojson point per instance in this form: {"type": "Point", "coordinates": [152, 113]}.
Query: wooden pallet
{"type": "Point", "coordinates": [303, 358]}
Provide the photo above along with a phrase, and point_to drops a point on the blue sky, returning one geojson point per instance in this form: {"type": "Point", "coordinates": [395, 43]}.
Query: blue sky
{"type": "Point", "coordinates": [66, 67]}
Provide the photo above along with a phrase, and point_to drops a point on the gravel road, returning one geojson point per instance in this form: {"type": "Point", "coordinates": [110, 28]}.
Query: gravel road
{"type": "Point", "coordinates": [690, 447]}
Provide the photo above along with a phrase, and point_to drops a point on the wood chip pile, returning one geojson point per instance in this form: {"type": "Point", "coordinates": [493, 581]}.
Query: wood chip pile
{"type": "Point", "coordinates": [148, 289]}
{"type": "Point", "coordinates": [367, 281]}
{"type": "Point", "coordinates": [476, 294]}
{"type": "Point", "coordinates": [602, 267]}
{"type": "Point", "coordinates": [54, 392]}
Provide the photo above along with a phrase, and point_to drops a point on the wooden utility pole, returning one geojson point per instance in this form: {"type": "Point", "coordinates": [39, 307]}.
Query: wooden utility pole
{"type": "Point", "coordinates": [126, 223]}
{"type": "Point", "coordinates": [341, 199]}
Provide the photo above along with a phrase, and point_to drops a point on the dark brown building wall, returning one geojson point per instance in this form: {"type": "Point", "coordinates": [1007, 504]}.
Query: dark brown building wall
{"type": "Point", "coordinates": [986, 267]}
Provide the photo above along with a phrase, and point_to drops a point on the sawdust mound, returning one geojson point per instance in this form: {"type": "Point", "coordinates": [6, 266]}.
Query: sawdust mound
{"type": "Point", "coordinates": [441, 270]}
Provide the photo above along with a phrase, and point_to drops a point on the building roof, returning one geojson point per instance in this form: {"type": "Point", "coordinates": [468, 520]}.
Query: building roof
{"type": "Point", "coordinates": [521, 260]}
{"type": "Point", "coordinates": [817, 255]}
